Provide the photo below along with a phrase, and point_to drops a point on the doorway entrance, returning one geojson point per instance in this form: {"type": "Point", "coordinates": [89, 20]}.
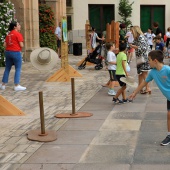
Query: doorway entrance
{"type": "Point", "coordinates": [150, 14]}
{"type": "Point", "coordinates": [100, 15]}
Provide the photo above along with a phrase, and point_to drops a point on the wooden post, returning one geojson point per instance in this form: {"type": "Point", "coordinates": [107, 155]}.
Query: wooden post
{"type": "Point", "coordinates": [65, 73]}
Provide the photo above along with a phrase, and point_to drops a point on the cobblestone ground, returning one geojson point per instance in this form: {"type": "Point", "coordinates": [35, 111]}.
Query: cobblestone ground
{"type": "Point", "coordinates": [15, 148]}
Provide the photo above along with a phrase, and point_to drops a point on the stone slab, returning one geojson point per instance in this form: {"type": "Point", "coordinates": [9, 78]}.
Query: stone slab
{"type": "Point", "coordinates": [130, 107]}
{"type": "Point", "coordinates": [115, 138]}
{"type": "Point", "coordinates": [83, 124]}
{"type": "Point", "coordinates": [155, 116]}
{"type": "Point", "coordinates": [46, 167]}
{"type": "Point", "coordinates": [98, 166]}
{"type": "Point", "coordinates": [126, 115]}
{"type": "Point", "coordinates": [150, 138]}
{"type": "Point", "coordinates": [121, 125]}
{"type": "Point", "coordinates": [57, 154]}
{"type": "Point", "coordinates": [148, 167]}
{"type": "Point", "coordinates": [154, 126]}
{"type": "Point", "coordinates": [151, 155]}
{"type": "Point", "coordinates": [74, 137]}
{"type": "Point", "coordinates": [108, 154]}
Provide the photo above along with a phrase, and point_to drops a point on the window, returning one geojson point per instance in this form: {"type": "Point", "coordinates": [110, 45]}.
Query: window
{"type": "Point", "coordinates": [69, 23]}
{"type": "Point", "coordinates": [69, 3]}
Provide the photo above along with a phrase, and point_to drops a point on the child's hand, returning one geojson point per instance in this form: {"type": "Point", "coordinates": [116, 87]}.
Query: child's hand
{"type": "Point", "coordinates": [132, 96]}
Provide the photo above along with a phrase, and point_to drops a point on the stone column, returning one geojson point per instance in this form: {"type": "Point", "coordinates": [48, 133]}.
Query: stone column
{"type": "Point", "coordinates": [27, 13]}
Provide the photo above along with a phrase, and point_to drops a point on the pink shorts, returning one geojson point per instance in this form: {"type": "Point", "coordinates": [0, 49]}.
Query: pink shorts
{"type": "Point", "coordinates": [131, 50]}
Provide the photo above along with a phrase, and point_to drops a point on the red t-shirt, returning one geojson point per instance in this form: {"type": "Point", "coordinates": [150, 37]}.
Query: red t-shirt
{"type": "Point", "coordinates": [12, 41]}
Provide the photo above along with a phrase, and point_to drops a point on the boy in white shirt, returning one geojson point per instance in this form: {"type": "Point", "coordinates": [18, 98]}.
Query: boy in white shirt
{"type": "Point", "coordinates": [150, 36]}
{"type": "Point", "coordinates": [111, 58]}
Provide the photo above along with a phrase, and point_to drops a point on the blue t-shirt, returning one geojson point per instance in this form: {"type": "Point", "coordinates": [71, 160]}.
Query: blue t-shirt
{"type": "Point", "coordinates": [162, 79]}
{"type": "Point", "coordinates": [159, 46]}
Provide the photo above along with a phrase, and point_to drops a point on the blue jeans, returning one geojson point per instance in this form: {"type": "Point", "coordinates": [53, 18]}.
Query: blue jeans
{"type": "Point", "coordinates": [12, 58]}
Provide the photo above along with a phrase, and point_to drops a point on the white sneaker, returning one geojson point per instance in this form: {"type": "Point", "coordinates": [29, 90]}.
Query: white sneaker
{"type": "Point", "coordinates": [2, 87]}
{"type": "Point", "coordinates": [19, 88]}
{"type": "Point", "coordinates": [111, 93]}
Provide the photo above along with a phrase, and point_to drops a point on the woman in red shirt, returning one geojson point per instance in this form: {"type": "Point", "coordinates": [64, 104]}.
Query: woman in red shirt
{"type": "Point", "coordinates": [13, 45]}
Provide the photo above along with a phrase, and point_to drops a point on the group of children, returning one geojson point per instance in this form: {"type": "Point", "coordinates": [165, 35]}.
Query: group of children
{"type": "Point", "coordinates": [160, 43]}
{"type": "Point", "coordinates": [159, 73]}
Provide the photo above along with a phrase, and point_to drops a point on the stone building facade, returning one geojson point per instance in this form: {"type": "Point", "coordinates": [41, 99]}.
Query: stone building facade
{"type": "Point", "coordinates": [27, 13]}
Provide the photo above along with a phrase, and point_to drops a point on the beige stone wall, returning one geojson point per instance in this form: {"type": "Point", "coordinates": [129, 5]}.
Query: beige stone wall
{"type": "Point", "coordinates": [27, 14]}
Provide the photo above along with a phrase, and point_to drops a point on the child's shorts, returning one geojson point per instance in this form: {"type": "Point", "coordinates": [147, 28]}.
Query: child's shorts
{"type": "Point", "coordinates": [131, 50]}
{"type": "Point", "coordinates": [120, 82]}
{"type": "Point", "coordinates": [112, 75]}
{"type": "Point", "coordinates": [168, 105]}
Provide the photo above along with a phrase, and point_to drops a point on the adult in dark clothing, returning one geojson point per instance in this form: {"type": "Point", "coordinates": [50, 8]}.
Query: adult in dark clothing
{"type": "Point", "coordinates": [158, 30]}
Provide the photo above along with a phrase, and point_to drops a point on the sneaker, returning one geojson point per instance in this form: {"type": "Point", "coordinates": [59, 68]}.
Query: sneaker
{"type": "Point", "coordinates": [125, 100]}
{"type": "Point", "coordinates": [166, 141]}
{"type": "Point", "coordinates": [117, 101]}
{"type": "Point", "coordinates": [111, 93]}
{"type": "Point", "coordinates": [19, 88]}
{"type": "Point", "coordinates": [2, 87]}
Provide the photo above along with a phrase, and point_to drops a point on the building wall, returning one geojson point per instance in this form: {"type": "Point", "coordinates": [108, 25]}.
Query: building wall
{"type": "Point", "coordinates": [80, 14]}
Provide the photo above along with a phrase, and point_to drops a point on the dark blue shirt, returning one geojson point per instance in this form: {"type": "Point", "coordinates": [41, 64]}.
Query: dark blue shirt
{"type": "Point", "coordinates": [159, 46]}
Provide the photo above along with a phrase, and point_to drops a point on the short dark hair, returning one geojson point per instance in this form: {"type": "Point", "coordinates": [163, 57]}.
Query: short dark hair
{"type": "Point", "coordinates": [108, 45]}
{"type": "Point", "coordinates": [122, 46]}
{"type": "Point", "coordinates": [12, 25]}
{"type": "Point", "coordinates": [158, 37]}
{"type": "Point", "coordinates": [156, 54]}
{"type": "Point", "coordinates": [155, 24]}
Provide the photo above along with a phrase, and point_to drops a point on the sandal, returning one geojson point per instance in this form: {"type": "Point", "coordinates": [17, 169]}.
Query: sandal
{"type": "Point", "coordinates": [145, 92]}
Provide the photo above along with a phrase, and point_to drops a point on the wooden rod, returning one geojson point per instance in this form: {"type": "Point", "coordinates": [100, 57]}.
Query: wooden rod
{"type": "Point", "coordinates": [73, 95]}
{"type": "Point", "coordinates": [41, 112]}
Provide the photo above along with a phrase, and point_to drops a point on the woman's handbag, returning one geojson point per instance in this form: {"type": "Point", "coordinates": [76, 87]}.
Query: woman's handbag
{"type": "Point", "coordinates": [140, 60]}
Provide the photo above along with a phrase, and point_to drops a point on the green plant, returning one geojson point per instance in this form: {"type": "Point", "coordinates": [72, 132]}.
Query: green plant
{"type": "Point", "coordinates": [6, 16]}
{"type": "Point", "coordinates": [47, 27]}
{"type": "Point", "coordinates": [125, 11]}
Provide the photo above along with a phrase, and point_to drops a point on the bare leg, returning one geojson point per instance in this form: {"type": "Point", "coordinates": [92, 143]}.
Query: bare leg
{"type": "Point", "coordinates": [124, 94]}
{"type": "Point", "coordinates": [120, 91]}
{"type": "Point", "coordinates": [145, 73]}
{"type": "Point", "coordinates": [168, 120]}
{"type": "Point", "coordinates": [111, 84]}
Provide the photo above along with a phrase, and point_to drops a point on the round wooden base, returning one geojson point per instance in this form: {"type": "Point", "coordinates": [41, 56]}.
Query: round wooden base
{"type": "Point", "coordinates": [36, 135]}
{"type": "Point", "coordinates": [76, 115]}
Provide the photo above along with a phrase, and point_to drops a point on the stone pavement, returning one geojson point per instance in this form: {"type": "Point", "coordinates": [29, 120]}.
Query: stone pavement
{"type": "Point", "coordinates": [116, 137]}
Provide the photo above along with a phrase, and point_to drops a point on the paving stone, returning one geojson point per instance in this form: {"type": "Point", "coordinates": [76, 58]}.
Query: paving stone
{"type": "Point", "coordinates": [74, 137]}
{"type": "Point", "coordinates": [147, 167]}
{"type": "Point", "coordinates": [160, 155]}
{"type": "Point", "coordinates": [128, 138]}
{"type": "Point", "coordinates": [100, 166]}
{"type": "Point", "coordinates": [154, 126]}
{"type": "Point", "coordinates": [155, 115]}
{"type": "Point", "coordinates": [150, 138]}
{"type": "Point", "coordinates": [57, 154]}
{"type": "Point", "coordinates": [126, 115]}
{"type": "Point", "coordinates": [46, 166]}
{"type": "Point", "coordinates": [82, 124]}
{"type": "Point", "coordinates": [121, 125]}
{"type": "Point", "coordinates": [108, 154]}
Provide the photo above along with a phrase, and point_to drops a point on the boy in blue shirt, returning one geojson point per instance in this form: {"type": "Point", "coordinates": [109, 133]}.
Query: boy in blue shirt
{"type": "Point", "coordinates": [160, 73]}
{"type": "Point", "coordinates": [159, 45]}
